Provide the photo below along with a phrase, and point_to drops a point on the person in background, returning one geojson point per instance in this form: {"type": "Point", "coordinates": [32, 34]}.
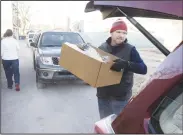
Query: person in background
{"type": "Point", "coordinates": [112, 99]}
{"type": "Point", "coordinates": [4, 35]}
{"type": "Point", "coordinates": [10, 59]}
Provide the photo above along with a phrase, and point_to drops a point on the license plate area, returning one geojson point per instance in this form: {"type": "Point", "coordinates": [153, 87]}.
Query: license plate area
{"type": "Point", "coordinates": [64, 73]}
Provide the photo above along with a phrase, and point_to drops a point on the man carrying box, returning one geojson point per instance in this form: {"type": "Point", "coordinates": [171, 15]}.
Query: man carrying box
{"type": "Point", "coordinates": [112, 99]}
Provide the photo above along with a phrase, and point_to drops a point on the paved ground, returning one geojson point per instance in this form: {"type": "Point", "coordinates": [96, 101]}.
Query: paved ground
{"type": "Point", "coordinates": [62, 108]}
{"type": "Point", "coordinates": [66, 107]}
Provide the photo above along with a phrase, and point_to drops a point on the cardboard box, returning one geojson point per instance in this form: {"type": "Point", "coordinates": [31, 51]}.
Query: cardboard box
{"type": "Point", "coordinates": [92, 65]}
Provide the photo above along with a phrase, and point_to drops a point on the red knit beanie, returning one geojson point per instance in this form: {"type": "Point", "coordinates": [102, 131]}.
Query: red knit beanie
{"type": "Point", "coordinates": [118, 25]}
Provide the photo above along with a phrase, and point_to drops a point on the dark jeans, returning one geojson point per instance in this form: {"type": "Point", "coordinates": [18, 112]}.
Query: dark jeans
{"type": "Point", "coordinates": [110, 106]}
{"type": "Point", "coordinates": [11, 67]}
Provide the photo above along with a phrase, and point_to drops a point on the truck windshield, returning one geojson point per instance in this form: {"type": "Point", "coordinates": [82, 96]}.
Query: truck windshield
{"type": "Point", "coordinates": [50, 39]}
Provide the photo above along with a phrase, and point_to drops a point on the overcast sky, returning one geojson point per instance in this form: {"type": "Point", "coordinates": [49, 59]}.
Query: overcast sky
{"type": "Point", "coordinates": [56, 12]}
{"type": "Point", "coordinates": [47, 12]}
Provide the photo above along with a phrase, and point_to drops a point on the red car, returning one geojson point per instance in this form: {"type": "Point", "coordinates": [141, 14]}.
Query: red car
{"type": "Point", "coordinates": [158, 106]}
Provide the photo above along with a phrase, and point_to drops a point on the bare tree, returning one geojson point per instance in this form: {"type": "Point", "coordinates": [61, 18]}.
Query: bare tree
{"type": "Point", "coordinates": [75, 26]}
{"type": "Point", "coordinates": [24, 14]}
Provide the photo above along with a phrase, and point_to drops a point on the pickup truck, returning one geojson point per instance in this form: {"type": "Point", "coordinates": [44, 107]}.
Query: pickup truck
{"type": "Point", "coordinates": [46, 52]}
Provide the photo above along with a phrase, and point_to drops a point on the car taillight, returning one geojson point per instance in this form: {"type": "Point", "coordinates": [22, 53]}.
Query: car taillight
{"type": "Point", "coordinates": [104, 125]}
{"type": "Point", "coordinates": [99, 130]}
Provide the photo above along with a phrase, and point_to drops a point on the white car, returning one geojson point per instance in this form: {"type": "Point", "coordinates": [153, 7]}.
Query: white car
{"type": "Point", "coordinates": [29, 38]}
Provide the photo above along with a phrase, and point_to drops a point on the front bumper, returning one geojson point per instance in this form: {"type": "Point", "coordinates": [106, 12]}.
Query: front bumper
{"type": "Point", "coordinates": [54, 74]}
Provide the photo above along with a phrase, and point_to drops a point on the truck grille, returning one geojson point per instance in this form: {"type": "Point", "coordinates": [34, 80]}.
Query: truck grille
{"type": "Point", "coordinates": [55, 60]}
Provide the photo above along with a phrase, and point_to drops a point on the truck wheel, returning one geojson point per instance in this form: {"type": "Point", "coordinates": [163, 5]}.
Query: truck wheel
{"type": "Point", "coordinates": [28, 45]}
{"type": "Point", "coordinates": [34, 65]}
{"type": "Point", "coordinates": [39, 84]}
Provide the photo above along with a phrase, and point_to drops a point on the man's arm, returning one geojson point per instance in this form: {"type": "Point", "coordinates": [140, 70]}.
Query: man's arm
{"type": "Point", "coordinates": [136, 64]}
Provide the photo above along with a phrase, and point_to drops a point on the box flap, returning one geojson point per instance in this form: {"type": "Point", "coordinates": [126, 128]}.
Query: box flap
{"type": "Point", "coordinates": [91, 52]}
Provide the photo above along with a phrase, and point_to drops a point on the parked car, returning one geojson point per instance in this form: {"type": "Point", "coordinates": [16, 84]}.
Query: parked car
{"type": "Point", "coordinates": [46, 52]}
{"type": "Point", "coordinates": [29, 38]}
{"type": "Point", "coordinates": [158, 107]}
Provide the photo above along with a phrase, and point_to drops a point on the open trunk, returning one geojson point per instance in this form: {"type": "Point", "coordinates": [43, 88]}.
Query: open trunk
{"type": "Point", "coordinates": [130, 120]}
{"type": "Point", "coordinates": [130, 9]}
{"type": "Point", "coordinates": [151, 9]}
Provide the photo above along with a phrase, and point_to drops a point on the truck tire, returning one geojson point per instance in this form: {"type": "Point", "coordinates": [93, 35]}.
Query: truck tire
{"type": "Point", "coordinates": [34, 65]}
{"type": "Point", "coordinates": [39, 84]}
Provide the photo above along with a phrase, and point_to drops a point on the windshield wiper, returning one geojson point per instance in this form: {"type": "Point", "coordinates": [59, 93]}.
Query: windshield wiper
{"type": "Point", "coordinates": [50, 46]}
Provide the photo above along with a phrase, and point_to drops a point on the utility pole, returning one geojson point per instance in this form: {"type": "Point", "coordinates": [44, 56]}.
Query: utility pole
{"type": "Point", "coordinates": [68, 24]}
{"type": "Point", "coordinates": [17, 20]}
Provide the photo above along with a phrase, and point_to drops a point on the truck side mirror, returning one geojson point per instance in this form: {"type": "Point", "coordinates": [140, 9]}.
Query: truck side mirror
{"type": "Point", "coordinates": [33, 44]}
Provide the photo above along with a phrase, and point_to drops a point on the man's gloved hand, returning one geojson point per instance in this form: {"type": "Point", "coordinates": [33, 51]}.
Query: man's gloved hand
{"type": "Point", "coordinates": [119, 65]}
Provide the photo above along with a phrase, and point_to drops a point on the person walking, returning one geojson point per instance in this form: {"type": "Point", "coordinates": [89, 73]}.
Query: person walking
{"type": "Point", "coordinates": [112, 99]}
{"type": "Point", "coordinates": [10, 59]}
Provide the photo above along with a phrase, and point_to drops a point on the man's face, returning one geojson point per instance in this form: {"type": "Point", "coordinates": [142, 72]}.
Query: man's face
{"type": "Point", "coordinates": [118, 36]}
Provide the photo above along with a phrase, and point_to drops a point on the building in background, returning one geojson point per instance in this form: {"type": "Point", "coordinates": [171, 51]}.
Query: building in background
{"type": "Point", "coordinates": [68, 24]}
{"type": "Point", "coordinates": [77, 26]}
{"type": "Point", "coordinates": [15, 18]}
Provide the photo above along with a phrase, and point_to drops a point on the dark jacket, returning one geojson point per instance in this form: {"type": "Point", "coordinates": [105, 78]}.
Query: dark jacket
{"type": "Point", "coordinates": [122, 91]}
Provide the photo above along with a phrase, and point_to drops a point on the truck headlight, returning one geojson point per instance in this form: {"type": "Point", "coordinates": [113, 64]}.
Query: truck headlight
{"type": "Point", "coordinates": [46, 60]}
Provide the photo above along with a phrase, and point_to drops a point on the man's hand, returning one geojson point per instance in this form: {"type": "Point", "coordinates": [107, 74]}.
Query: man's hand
{"type": "Point", "coordinates": [119, 64]}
